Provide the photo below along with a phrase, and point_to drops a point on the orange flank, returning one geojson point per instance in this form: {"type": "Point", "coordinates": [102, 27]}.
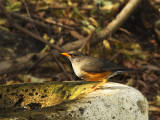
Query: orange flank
{"type": "Point", "coordinates": [96, 76]}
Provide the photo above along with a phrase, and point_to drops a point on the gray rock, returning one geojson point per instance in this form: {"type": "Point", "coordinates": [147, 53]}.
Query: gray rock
{"type": "Point", "coordinates": [112, 102]}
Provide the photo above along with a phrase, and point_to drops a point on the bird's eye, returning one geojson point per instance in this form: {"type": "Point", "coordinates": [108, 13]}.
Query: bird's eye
{"type": "Point", "coordinates": [72, 55]}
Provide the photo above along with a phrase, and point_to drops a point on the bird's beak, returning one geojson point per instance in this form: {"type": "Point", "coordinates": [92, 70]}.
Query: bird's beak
{"type": "Point", "coordinates": [65, 54]}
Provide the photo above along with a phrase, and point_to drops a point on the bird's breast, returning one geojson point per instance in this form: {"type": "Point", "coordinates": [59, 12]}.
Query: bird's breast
{"type": "Point", "coordinates": [77, 69]}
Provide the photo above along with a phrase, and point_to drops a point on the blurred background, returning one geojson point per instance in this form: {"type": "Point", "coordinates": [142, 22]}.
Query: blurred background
{"type": "Point", "coordinates": [33, 34]}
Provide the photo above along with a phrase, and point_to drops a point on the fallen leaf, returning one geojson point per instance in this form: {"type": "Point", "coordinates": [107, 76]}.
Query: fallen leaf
{"type": "Point", "coordinates": [107, 45]}
{"type": "Point", "coordinates": [29, 78]}
{"type": "Point", "coordinates": [156, 55]}
{"type": "Point", "coordinates": [153, 42]}
{"type": "Point", "coordinates": [158, 100]}
{"type": "Point", "coordinates": [14, 6]}
{"type": "Point", "coordinates": [3, 21]}
{"type": "Point", "coordinates": [130, 82]}
{"type": "Point", "coordinates": [129, 64]}
{"type": "Point", "coordinates": [11, 82]}
{"type": "Point", "coordinates": [66, 21]}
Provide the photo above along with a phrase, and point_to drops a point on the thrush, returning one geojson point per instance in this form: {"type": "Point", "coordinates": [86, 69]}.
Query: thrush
{"type": "Point", "coordinates": [94, 69]}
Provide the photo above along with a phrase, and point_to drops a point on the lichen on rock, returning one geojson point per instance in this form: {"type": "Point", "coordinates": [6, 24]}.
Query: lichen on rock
{"type": "Point", "coordinates": [39, 95]}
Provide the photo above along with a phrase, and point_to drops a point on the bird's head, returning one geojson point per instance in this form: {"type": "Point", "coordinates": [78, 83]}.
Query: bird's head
{"type": "Point", "coordinates": [73, 55]}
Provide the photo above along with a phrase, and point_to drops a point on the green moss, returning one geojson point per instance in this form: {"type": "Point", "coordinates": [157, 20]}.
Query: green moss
{"type": "Point", "coordinates": [41, 94]}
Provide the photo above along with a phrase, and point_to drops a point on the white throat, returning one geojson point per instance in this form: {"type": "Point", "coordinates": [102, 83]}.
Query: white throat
{"type": "Point", "coordinates": [77, 69]}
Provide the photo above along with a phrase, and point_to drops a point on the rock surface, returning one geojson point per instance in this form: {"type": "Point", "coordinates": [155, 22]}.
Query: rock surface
{"type": "Point", "coordinates": [112, 102]}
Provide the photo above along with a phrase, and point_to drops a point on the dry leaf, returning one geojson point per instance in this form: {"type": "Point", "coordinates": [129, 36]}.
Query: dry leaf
{"type": "Point", "coordinates": [29, 78]}
{"type": "Point", "coordinates": [66, 21]}
{"type": "Point", "coordinates": [11, 82]}
{"type": "Point", "coordinates": [158, 100]}
{"type": "Point", "coordinates": [129, 64]}
{"type": "Point", "coordinates": [94, 22]}
{"type": "Point", "coordinates": [106, 45]}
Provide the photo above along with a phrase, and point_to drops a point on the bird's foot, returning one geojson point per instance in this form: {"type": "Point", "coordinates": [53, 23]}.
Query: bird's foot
{"type": "Point", "coordinates": [89, 90]}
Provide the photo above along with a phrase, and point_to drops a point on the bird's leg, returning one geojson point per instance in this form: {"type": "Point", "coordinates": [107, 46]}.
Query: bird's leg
{"type": "Point", "coordinates": [95, 86]}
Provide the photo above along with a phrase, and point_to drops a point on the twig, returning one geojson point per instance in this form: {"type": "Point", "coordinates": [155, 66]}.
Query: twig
{"type": "Point", "coordinates": [125, 31]}
{"type": "Point", "coordinates": [114, 56]}
{"type": "Point", "coordinates": [57, 24]}
{"type": "Point", "coordinates": [35, 64]}
{"type": "Point", "coordinates": [55, 58]}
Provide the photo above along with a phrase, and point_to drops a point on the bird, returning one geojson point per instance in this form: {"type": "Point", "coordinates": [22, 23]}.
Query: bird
{"type": "Point", "coordinates": [94, 69]}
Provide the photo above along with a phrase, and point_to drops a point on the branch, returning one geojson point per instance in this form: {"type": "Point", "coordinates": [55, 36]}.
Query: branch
{"type": "Point", "coordinates": [120, 19]}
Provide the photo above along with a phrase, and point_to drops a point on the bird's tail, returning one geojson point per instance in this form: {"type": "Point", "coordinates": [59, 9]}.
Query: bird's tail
{"type": "Point", "coordinates": [124, 70]}
{"type": "Point", "coordinates": [128, 70]}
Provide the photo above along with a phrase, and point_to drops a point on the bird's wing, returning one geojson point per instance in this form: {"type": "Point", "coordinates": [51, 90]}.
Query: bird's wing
{"type": "Point", "coordinates": [97, 65]}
